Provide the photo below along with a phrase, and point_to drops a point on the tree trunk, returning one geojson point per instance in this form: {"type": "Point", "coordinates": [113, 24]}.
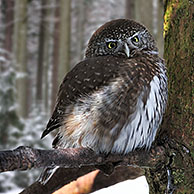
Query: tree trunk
{"type": "Point", "coordinates": [145, 17]}
{"type": "Point", "coordinates": [130, 9]}
{"type": "Point", "coordinates": [80, 8]}
{"type": "Point", "coordinates": [177, 127]}
{"type": "Point", "coordinates": [9, 7]}
{"type": "Point", "coordinates": [20, 51]}
{"type": "Point", "coordinates": [39, 73]}
{"type": "Point", "coordinates": [61, 53]}
{"type": "Point", "coordinates": [47, 24]}
{"type": "Point", "coordinates": [64, 39]}
{"type": "Point", "coordinates": [158, 12]}
{"type": "Point", "coordinates": [55, 59]}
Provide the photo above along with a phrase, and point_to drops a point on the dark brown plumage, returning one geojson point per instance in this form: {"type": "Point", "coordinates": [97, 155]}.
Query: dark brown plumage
{"type": "Point", "coordinates": [112, 101]}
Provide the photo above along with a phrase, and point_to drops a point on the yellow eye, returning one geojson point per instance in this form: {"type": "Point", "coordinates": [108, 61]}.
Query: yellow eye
{"type": "Point", "coordinates": [111, 45]}
{"type": "Point", "coordinates": [135, 39]}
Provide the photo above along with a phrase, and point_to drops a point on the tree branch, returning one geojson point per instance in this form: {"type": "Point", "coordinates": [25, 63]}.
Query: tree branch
{"type": "Point", "coordinates": [75, 162]}
{"type": "Point", "coordinates": [23, 158]}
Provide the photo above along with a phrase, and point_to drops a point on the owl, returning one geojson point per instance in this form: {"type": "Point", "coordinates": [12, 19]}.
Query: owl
{"type": "Point", "coordinates": [113, 100]}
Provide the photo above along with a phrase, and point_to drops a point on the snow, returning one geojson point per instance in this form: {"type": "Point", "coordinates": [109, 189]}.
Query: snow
{"type": "Point", "coordinates": [12, 188]}
{"type": "Point", "coordinates": [13, 191]}
{"type": "Point", "coordinates": [136, 186]}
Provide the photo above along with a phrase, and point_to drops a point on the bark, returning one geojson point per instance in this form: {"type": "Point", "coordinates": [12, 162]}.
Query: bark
{"type": "Point", "coordinates": [177, 127]}
{"type": "Point", "coordinates": [23, 158]}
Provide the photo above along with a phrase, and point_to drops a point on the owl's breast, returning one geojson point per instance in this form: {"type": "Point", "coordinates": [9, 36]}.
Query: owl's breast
{"type": "Point", "coordinates": [86, 120]}
{"type": "Point", "coordinates": [119, 116]}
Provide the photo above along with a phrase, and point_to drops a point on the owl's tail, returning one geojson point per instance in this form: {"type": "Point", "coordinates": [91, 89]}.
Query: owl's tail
{"type": "Point", "coordinates": [46, 174]}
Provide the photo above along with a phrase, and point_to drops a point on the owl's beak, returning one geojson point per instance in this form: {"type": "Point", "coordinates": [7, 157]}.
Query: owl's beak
{"type": "Point", "coordinates": [126, 50]}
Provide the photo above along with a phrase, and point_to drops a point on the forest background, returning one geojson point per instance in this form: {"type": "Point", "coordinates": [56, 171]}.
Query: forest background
{"type": "Point", "coordinates": [40, 41]}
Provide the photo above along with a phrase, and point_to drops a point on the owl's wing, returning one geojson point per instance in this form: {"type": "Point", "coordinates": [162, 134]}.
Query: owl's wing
{"type": "Point", "coordinates": [130, 77]}
{"type": "Point", "coordinates": [86, 77]}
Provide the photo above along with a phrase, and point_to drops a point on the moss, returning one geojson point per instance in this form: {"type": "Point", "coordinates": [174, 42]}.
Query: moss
{"type": "Point", "coordinates": [173, 8]}
{"type": "Point", "coordinates": [192, 153]}
{"type": "Point", "coordinates": [178, 176]}
{"type": "Point", "coordinates": [167, 18]}
{"type": "Point", "coordinates": [178, 52]}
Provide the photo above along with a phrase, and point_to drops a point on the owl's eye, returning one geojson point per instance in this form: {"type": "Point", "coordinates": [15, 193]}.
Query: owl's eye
{"type": "Point", "coordinates": [135, 39]}
{"type": "Point", "coordinates": [111, 45]}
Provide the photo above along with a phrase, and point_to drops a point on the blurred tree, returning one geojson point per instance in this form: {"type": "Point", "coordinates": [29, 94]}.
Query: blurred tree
{"type": "Point", "coordinates": [143, 13]}
{"type": "Point", "coordinates": [64, 39]}
{"type": "Point", "coordinates": [81, 17]}
{"type": "Point", "coordinates": [157, 24]}
{"type": "Point", "coordinates": [55, 60]}
{"type": "Point", "coordinates": [130, 9]}
{"type": "Point", "coordinates": [42, 85]}
{"type": "Point", "coordinates": [39, 74]}
{"type": "Point", "coordinates": [46, 55]}
{"type": "Point", "coordinates": [20, 53]}
{"type": "Point", "coordinates": [9, 7]}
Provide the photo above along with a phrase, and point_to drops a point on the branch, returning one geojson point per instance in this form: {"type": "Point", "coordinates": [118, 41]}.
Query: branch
{"type": "Point", "coordinates": [23, 158]}
{"type": "Point", "coordinates": [75, 162]}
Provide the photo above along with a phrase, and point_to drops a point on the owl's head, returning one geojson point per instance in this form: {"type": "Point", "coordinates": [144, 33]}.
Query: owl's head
{"type": "Point", "coordinates": [121, 37]}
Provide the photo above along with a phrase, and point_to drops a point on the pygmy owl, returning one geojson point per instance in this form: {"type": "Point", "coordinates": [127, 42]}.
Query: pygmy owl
{"type": "Point", "coordinates": [113, 100]}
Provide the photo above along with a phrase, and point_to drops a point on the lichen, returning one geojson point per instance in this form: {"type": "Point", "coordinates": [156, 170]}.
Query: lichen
{"type": "Point", "coordinates": [178, 52]}
{"type": "Point", "coordinates": [167, 17]}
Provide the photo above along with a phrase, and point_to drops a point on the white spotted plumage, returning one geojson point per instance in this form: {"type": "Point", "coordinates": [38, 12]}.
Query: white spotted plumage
{"type": "Point", "coordinates": [138, 131]}
{"type": "Point", "coordinates": [112, 101]}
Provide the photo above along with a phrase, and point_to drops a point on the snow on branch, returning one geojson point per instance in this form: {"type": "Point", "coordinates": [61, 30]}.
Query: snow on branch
{"type": "Point", "coordinates": [23, 158]}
